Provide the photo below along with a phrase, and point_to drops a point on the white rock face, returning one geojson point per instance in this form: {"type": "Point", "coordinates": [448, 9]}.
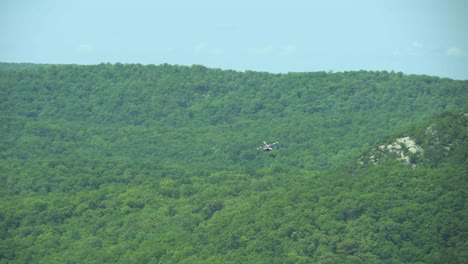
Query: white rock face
{"type": "Point", "coordinates": [402, 147]}
{"type": "Point", "coordinates": [402, 144]}
{"type": "Point", "coordinates": [409, 144]}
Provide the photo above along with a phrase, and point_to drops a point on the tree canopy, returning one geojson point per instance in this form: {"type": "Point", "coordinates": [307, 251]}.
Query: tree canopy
{"type": "Point", "coordinates": [127, 163]}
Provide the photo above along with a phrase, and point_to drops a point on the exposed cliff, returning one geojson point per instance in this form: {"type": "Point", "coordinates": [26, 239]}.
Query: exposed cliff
{"type": "Point", "coordinates": [428, 144]}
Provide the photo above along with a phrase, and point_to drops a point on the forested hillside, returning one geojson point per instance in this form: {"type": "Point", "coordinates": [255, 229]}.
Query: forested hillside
{"type": "Point", "coordinates": [210, 118]}
{"type": "Point", "coordinates": [118, 163]}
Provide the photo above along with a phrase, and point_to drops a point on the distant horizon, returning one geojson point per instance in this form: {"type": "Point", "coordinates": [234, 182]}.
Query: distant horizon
{"type": "Point", "coordinates": [426, 37]}
{"type": "Point", "coordinates": [171, 64]}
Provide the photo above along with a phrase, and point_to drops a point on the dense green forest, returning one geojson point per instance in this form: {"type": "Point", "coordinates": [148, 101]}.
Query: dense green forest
{"type": "Point", "coordinates": [116, 163]}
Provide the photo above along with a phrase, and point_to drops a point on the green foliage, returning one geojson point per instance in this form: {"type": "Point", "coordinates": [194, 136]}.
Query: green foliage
{"type": "Point", "coordinates": [118, 163]}
{"type": "Point", "coordinates": [155, 112]}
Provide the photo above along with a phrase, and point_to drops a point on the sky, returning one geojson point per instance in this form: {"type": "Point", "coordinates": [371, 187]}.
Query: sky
{"type": "Point", "coordinates": [411, 36]}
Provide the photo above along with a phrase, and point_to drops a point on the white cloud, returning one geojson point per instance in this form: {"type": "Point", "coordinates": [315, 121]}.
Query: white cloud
{"type": "Point", "coordinates": [414, 48]}
{"type": "Point", "coordinates": [200, 48]}
{"type": "Point", "coordinates": [288, 50]}
{"type": "Point", "coordinates": [86, 48]}
{"type": "Point", "coordinates": [262, 50]}
{"type": "Point", "coordinates": [270, 50]}
{"type": "Point", "coordinates": [455, 52]}
{"type": "Point", "coordinates": [396, 52]}
{"type": "Point", "coordinates": [416, 44]}
{"type": "Point", "coordinates": [157, 50]}
{"type": "Point", "coordinates": [203, 49]}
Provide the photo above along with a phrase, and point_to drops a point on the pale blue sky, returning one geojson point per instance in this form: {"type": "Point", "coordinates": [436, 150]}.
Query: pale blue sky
{"type": "Point", "coordinates": [412, 36]}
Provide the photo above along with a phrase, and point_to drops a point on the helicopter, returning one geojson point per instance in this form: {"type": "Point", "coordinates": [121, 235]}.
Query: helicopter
{"type": "Point", "coordinates": [269, 148]}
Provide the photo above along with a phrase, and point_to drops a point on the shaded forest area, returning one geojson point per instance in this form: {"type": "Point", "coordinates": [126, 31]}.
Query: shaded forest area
{"type": "Point", "coordinates": [117, 163]}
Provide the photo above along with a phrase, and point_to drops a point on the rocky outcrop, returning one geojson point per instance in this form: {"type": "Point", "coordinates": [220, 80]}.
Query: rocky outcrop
{"type": "Point", "coordinates": [404, 149]}
{"type": "Point", "coordinates": [429, 144]}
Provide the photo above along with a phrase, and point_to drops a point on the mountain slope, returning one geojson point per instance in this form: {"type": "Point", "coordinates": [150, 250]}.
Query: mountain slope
{"type": "Point", "coordinates": [158, 164]}
{"type": "Point", "coordinates": [98, 211]}
{"type": "Point", "coordinates": [209, 118]}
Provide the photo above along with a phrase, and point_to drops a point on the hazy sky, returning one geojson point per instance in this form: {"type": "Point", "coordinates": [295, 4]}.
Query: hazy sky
{"type": "Point", "coordinates": [412, 36]}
